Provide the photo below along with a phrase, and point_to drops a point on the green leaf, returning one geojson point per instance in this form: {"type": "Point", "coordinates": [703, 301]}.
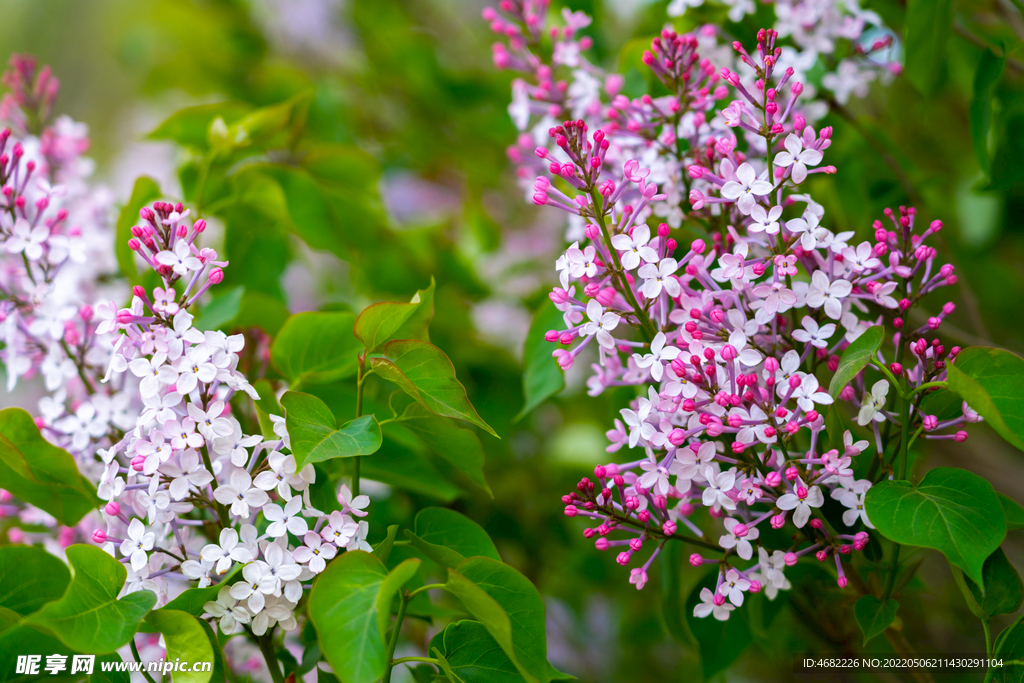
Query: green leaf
{"type": "Point", "coordinates": [443, 664]}
{"type": "Point", "coordinates": [381, 322]}
{"type": "Point", "coordinates": [460, 447]}
{"type": "Point", "coordinates": [455, 531]}
{"type": "Point", "coordinates": [874, 616]}
{"type": "Point", "coordinates": [424, 372]}
{"type": "Point", "coordinates": [39, 473]}
{"type": "Point", "coordinates": [474, 655]}
{"type": "Point", "coordinates": [383, 550]}
{"type": "Point", "coordinates": [186, 639]}
{"type": "Point", "coordinates": [1013, 511]}
{"type": "Point", "coordinates": [190, 126]}
{"type": "Point", "coordinates": [144, 191]}
{"type": "Point", "coordinates": [343, 608]}
{"type": "Point", "coordinates": [398, 465]}
{"type": "Point", "coordinates": [989, 380]}
{"type": "Point", "coordinates": [314, 437]}
{"type": "Point", "coordinates": [389, 588]}
{"type": "Point", "coordinates": [316, 348]}
{"type": "Point", "coordinates": [542, 378]}
{"type": "Point", "coordinates": [89, 617]}
{"type": "Point", "coordinates": [1004, 590]}
{"type": "Point", "coordinates": [952, 510]}
{"type": "Point", "coordinates": [721, 642]}
{"type": "Point", "coordinates": [926, 32]}
{"type": "Point", "coordinates": [990, 69]}
{"type": "Point", "coordinates": [856, 357]}
{"type": "Point", "coordinates": [29, 578]}
{"type": "Point", "coordinates": [511, 610]}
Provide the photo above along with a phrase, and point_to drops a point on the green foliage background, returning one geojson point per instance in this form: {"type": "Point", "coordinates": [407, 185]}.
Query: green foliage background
{"type": "Point", "coordinates": [406, 87]}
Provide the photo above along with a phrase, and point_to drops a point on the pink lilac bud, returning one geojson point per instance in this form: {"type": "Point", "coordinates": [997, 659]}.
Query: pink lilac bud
{"type": "Point", "coordinates": [571, 510]}
{"type": "Point", "coordinates": [719, 599]}
{"type": "Point", "coordinates": [960, 436]}
{"type": "Point", "coordinates": [896, 368]}
{"type": "Point", "coordinates": [602, 543]}
{"type": "Point", "coordinates": [821, 555]}
{"type": "Point", "coordinates": [740, 530]}
{"type": "Point", "coordinates": [623, 558]}
{"type": "Point", "coordinates": [848, 393]}
{"type": "Point", "coordinates": [816, 523]}
{"type": "Point", "coordinates": [790, 559]}
{"type": "Point", "coordinates": [755, 587]}
{"type": "Point", "coordinates": [99, 536]}
{"type": "Point", "coordinates": [792, 473]}
{"type": "Point", "coordinates": [773, 479]}
{"type": "Point", "coordinates": [113, 508]}
{"type": "Point", "coordinates": [668, 528]}
{"type": "Point", "coordinates": [696, 560]}
{"type": "Point", "coordinates": [644, 516]}
{"type": "Point", "coordinates": [698, 247]}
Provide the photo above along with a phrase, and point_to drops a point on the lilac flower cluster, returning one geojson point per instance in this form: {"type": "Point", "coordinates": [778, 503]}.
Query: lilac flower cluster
{"type": "Point", "coordinates": [142, 398]}
{"type": "Point", "coordinates": [727, 342]}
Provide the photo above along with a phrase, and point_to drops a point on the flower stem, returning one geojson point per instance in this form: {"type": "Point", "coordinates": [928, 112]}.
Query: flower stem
{"type": "Point", "coordinates": [646, 326]}
{"type": "Point", "coordinates": [394, 638]}
{"type": "Point", "coordinates": [359, 413]}
{"type": "Point", "coordinates": [135, 653]}
{"type": "Point", "coordinates": [267, 648]}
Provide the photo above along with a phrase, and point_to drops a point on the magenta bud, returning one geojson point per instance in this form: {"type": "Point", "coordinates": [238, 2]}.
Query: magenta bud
{"type": "Point", "coordinates": [99, 536]}
{"type": "Point", "coordinates": [551, 335]}
{"type": "Point", "coordinates": [696, 560]}
{"type": "Point", "coordinates": [199, 225]}
{"type": "Point", "coordinates": [602, 543]}
{"type": "Point", "coordinates": [570, 510]}
{"type": "Point", "coordinates": [698, 247]}
{"type": "Point", "coordinates": [790, 559]}
{"type": "Point", "coordinates": [842, 582]}
{"type": "Point", "coordinates": [134, 244]}
{"type": "Point", "coordinates": [113, 508]}
{"type": "Point", "coordinates": [216, 276]}
{"type": "Point", "coordinates": [896, 368]}
{"type": "Point", "coordinates": [755, 586]}
{"type": "Point", "coordinates": [816, 523]}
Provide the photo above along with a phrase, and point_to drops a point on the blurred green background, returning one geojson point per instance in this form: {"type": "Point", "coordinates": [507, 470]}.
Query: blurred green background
{"type": "Point", "coordinates": [410, 83]}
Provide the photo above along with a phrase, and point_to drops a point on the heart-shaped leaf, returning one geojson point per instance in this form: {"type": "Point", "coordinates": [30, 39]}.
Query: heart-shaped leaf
{"type": "Point", "coordinates": [511, 610]}
{"type": "Point", "coordinates": [856, 357]}
{"type": "Point", "coordinates": [38, 472]}
{"type": "Point", "coordinates": [454, 531]}
{"type": "Point", "coordinates": [990, 380]}
{"type": "Point", "coordinates": [874, 616]}
{"type": "Point", "coordinates": [1004, 590]}
{"type": "Point", "coordinates": [343, 608]}
{"type": "Point", "coordinates": [89, 617]}
{"type": "Point", "coordinates": [424, 372]}
{"type": "Point", "coordinates": [186, 640]}
{"type": "Point", "coordinates": [29, 578]}
{"type": "Point", "coordinates": [952, 510]}
{"type": "Point", "coordinates": [473, 654]}
{"type": "Point", "coordinates": [460, 447]}
{"type": "Point", "coordinates": [314, 437]}
{"type": "Point", "coordinates": [381, 322]}
{"type": "Point", "coordinates": [316, 348]}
